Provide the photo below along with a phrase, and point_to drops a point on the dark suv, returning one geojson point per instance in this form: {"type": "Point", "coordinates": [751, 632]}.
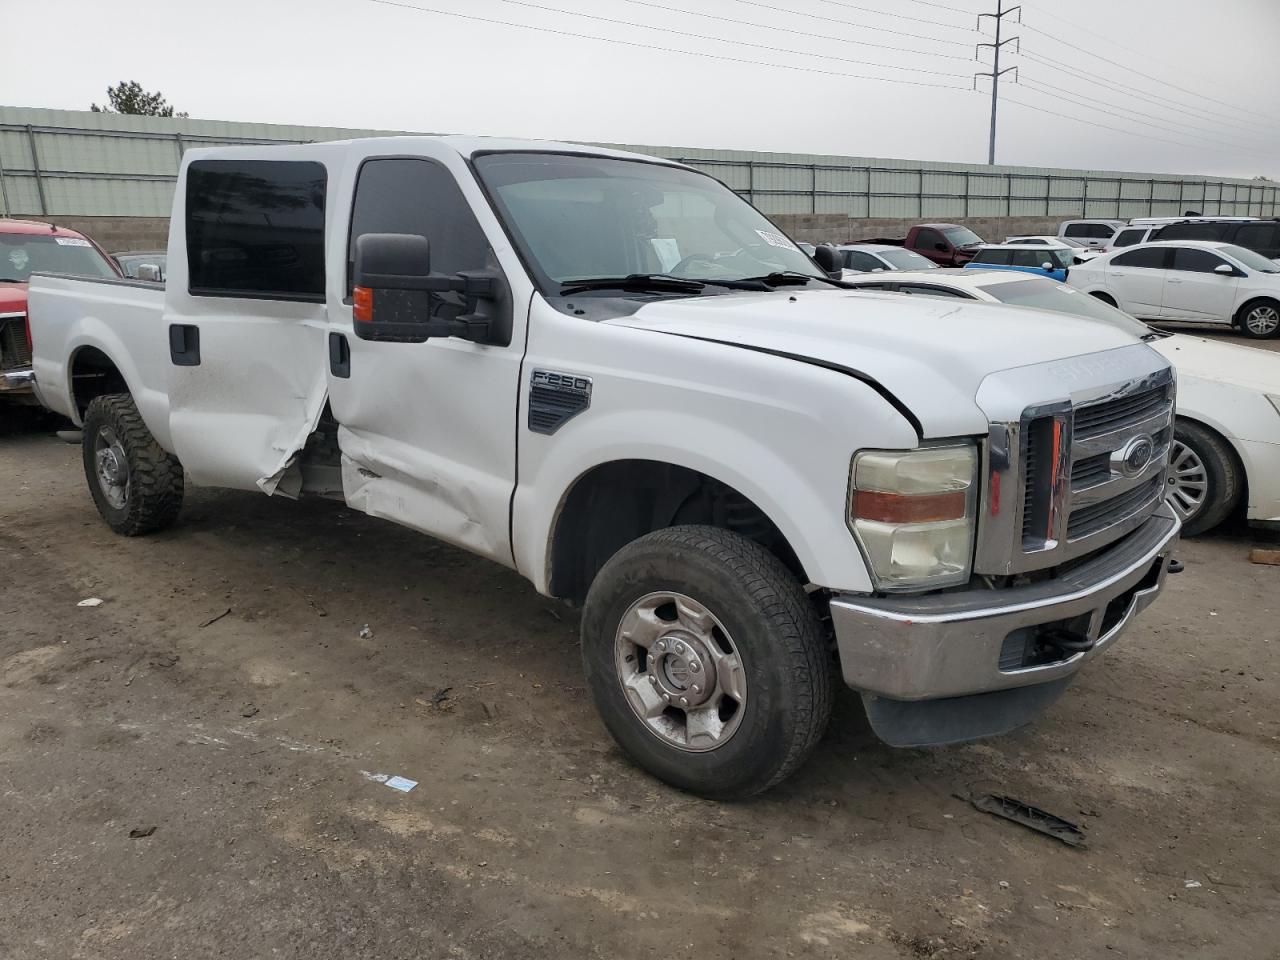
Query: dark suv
{"type": "Point", "coordinates": [1261, 236]}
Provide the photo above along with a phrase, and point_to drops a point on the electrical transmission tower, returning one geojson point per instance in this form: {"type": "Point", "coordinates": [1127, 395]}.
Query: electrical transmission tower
{"type": "Point", "coordinates": [996, 73]}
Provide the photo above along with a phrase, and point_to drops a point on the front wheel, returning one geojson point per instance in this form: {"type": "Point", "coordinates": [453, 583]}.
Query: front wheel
{"type": "Point", "coordinates": [706, 661]}
{"type": "Point", "coordinates": [135, 483]}
{"type": "Point", "coordinates": [1259, 319]}
{"type": "Point", "coordinates": [1204, 480]}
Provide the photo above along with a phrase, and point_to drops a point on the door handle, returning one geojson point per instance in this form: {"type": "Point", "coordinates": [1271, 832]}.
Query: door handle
{"type": "Point", "coordinates": [184, 344]}
{"type": "Point", "coordinates": [339, 356]}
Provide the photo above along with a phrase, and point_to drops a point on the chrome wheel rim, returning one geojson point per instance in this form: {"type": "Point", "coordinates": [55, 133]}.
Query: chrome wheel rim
{"type": "Point", "coordinates": [111, 467]}
{"type": "Point", "coordinates": [680, 672]}
{"type": "Point", "coordinates": [1188, 485]}
{"type": "Point", "coordinates": [1262, 320]}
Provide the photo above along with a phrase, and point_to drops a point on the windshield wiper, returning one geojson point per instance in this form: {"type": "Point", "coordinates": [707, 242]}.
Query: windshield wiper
{"type": "Point", "coordinates": [657, 282]}
{"type": "Point", "coordinates": [784, 278]}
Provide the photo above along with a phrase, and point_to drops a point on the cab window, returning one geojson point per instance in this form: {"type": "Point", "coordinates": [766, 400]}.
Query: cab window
{"type": "Point", "coordinates": [1147, 258]}
{"type": "Point", "coordinates": [1192, 260]}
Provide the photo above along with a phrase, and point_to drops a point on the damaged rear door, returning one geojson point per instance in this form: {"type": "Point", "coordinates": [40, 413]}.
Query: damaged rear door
{"type": "Point", "coordinates": [427, 429]}
{"type": "Point", "coordinates": [245, 320]}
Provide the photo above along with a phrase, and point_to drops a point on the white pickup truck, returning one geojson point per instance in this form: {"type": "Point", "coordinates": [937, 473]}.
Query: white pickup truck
{"type": "Point", "coordinates": [613, 375]}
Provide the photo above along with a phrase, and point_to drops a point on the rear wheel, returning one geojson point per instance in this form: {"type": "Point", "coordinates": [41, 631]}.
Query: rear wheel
{"type": "Point", "coordinates": [136, 485]}
{"type": "Point", "coordinates": [1204, 484]}
{"type": "Point", "coordinates": [1104, 297]}
{"type": "Point", "coordinates": [706, 661]}
{"type": "Point", "coordinates": [1259, 319]}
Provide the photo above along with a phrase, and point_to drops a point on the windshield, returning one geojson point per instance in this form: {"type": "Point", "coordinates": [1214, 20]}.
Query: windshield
{"type": "Point", "coordinates": [22, 254]}
{"type": "Point", "coordinates": [577, 218]}
{"type": "Point", "coordinates": [1252, 260]}
{"type": "Point", "coordinates": [906, 260]}
{"type": "Point", "coordinates": [1063, 258]}
{"type": "Point", "coordinates": [962, 236]}
{"type": "Point", "coordinates": [1050, 295]}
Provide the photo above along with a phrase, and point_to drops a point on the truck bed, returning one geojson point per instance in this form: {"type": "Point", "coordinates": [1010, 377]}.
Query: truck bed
{"type": "Point", "coordinates": [72, 317]}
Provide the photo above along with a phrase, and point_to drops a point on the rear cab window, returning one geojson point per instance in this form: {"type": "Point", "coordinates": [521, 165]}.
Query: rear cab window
{"type": "Point", "coordinates": [255, 229]}
{"type": "Point", "coordinates": [1127, 238]}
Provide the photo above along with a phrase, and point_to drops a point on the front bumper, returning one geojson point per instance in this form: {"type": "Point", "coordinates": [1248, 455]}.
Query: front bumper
{"type": "Point", "coordinates": [971, 643]}
{"type": "Point", "coordinates": [17, 381]}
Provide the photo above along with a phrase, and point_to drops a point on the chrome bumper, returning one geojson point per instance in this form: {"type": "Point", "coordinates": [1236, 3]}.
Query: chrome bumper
{"type": "Point", "coordinates": [17, 381]}
{"type": "Point", "coordinates": [952, 644]}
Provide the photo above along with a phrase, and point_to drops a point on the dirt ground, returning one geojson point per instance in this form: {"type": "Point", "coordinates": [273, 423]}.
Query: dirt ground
{"type": "Point", "coordinates": [225, 696]}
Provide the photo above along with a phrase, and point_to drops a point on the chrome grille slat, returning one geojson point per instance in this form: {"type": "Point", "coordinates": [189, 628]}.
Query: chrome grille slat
{"type": "Point", "coordinates": [1109, 415]}
{"type": "Point", "coordinates": [1091, 519]}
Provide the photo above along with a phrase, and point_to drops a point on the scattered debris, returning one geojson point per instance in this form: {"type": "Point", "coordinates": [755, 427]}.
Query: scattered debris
{"type": "Point", "coordinates": [137, 833]}
{"type": "Point", "coordinates": [1265, 556]}
{"type": "Point", "coordinates": [403, 784]}
{"type": "Point", "coordinates": [440, 695]}
{"type": "Point", "coordinates": [366, 633]}
{"type": "Point", "coordinates": [1030, 817]}
{"type": "Point", "coordinates": [1192, 884]}
{"type": "Point", "coordinates": [249, 710]}
{"type": "Point", "coordinates": [213, 620]}
{"type": "Point", "coordinates": [90, 602]}
{"type": "Point", "coordinates": [1004, 884]}
{"type": "Point", "coordinates": [165, 660]}
{"type": "Point", "coordinates": [490, 710]}
{"type": "Point", "coordinates": [554, 614]}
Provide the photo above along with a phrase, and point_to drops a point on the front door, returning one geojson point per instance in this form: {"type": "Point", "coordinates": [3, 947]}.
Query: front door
{"type": "Point", "coordinates": [1193, 291]}
{"type": "Point", "coordinates": [1136, 279]}
{"type": "Point", "coordinates": [427, 430]}
{"type": "Point", "coordinates": [245, 319]}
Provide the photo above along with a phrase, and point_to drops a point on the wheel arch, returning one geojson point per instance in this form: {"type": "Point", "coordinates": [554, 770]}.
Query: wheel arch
{"type": "Point", "coordinates": [1212, 426]}
{"type": "Point", "coordinates": [1237, 320]}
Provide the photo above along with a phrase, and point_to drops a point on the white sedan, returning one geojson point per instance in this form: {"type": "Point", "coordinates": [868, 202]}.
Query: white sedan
{"type": "Point", "coordinates": [1188, 280]}
{"type": "Point", "coordinates": [879, 257]}
{"type": "Point", "coordinates": [1226, 445]}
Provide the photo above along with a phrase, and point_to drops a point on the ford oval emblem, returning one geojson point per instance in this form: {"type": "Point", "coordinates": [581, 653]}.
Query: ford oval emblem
{"type": "Point", "coordinates": [1134, 457]}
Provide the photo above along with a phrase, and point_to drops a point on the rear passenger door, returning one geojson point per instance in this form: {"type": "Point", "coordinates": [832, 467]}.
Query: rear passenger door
{"type": "Point", "coordinates": [245, 320]}
{"type": "Point", "coordinates": [1194, 291]}
{"type": "Point", "coordinates": [1136, 279]}
{"type": "Point", "coordinates": [1263, 238]}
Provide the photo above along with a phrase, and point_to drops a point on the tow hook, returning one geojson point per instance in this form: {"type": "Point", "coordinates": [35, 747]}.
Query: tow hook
{"type": "Point", "coordinates": [1066, 641]}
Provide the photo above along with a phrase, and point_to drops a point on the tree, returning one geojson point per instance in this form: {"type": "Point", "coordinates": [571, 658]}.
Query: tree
{"type": "Point", "coordinates": [129, 97]}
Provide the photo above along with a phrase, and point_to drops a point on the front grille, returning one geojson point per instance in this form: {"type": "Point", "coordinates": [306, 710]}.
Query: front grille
{"type": "Point", "coordinates": [15, 352]}
{"type": "Point", "coordinates": [1099, 418]}
{"type": "Point", "coordinates": [1090, 471]}
{"type": "Point", "coordinates": [1096, 517]}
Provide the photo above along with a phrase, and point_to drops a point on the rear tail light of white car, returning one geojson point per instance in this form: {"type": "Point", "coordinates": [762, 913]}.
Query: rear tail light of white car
{"type": "Point", "coordinates": [912, 513]}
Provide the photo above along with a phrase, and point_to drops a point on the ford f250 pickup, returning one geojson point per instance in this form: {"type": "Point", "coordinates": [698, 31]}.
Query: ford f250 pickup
{"type": "Point", "coordinates": [613, 375]}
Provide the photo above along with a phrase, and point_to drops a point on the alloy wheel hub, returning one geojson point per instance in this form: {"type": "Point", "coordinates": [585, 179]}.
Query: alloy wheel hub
{"type": "Point", "coordinates": [677, 667]}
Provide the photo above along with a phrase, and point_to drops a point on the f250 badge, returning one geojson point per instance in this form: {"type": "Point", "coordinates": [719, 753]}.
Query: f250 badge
{"type": "Point", "coordinates": [556, 398]}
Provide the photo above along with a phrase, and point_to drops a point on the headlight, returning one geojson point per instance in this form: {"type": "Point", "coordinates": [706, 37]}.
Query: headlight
{"type": "Point", "coordinates": [912, 513]}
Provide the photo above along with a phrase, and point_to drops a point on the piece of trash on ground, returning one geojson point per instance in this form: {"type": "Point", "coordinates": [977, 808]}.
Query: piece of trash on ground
{"type": "Point", "coordinates": [165, 659]}
{"type": "Point", "coordinates": [1192, 884]}
{"type": "Point", "coordinates": [90, 602]}
{"type": "Point", "coordinates": [1265, 556]}
{"type": "Point", "coordinates": [137, 833]}
{"type": "Point", "coordinates": [1033, 818]}
{"type": "Point", "coordinates": [403, 784]}
{"type": "Point", "coordinates": [366, 633]}
{"type": "Point", "coordinates": [213, 620]}
{"type": "Point", "coordinates": [249, 710]}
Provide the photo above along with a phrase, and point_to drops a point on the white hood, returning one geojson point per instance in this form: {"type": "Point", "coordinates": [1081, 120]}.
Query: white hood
{"type": "Point", "coordinates": [1215, 361]}
{"type": "Point", "coordinates": [930, 353]}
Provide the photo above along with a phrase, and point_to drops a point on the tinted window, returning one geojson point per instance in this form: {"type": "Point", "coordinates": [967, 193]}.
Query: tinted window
{"type": "Point", "coordinates": [860, 260]}
{"type": "Point", "coordinates": [1127, 238]}
{"type": "Point", "coordinates": [992, 256]}
{"type": "Point", "coordinates": [1257, 236]}
{"type": "Point", "coordinates": [255, 228]}
{"type": "Point", "coordinates": [1196, 261]}
{"type": "Point", "coordinates": [1030, 258]}
{"type": "Point", "coordinates": [1192, 231]}
{"type": "Point", "coordinates": [927, 238]}
{"type": "Point", "coordinates": [421, 198]}
{"type": "Point", "coordinates": [1149, 257]}
{"type": "Point", "coordinates": [1098, 230]}
{"type": "Point", "coordinates": [1077, 230]}
{"type": "Point", "coordinates": [932, 291]}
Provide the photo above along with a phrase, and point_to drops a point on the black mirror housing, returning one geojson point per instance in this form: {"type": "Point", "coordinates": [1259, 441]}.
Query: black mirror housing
{"type": "Point", "coordinates": [830, 260]}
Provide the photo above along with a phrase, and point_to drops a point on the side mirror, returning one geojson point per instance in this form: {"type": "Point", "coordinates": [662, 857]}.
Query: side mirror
{"type": "Point", "coordinates": [830, 260]}
{"type": "Point", "coordinates": [940, 246]}
{"type": "Point", "coordinates": [1047, 266]}
{"type": "Point", "coordinates": [150, 273]}
{"type": "Point", "coordinates": [1225, 269]}
{"type": "Point", "coordinates": [397, 297]}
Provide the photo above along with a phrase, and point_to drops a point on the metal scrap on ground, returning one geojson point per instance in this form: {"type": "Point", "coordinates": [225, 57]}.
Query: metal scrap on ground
{"type": "Point", "coordinates": [1030, 817]}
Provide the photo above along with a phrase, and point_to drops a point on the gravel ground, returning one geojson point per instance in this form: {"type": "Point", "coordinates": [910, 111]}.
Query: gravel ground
{"type": "Point", "coordinates": [226, 696]}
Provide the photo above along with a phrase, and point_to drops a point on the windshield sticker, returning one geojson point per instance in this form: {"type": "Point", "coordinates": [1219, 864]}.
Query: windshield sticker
{"type": "Point", "coordinates": [19, 258]}
{"type": "Point", "coordinates": [70, 242]}
{"type": "Point", "coordinates": [776, 240]}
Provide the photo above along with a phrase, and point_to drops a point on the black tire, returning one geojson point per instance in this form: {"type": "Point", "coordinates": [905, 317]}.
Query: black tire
{"type": "Point", "coordinates": [1242, 318]}
{"type": "Point", "coordinates": [776, 631]}
{"type": "Point", "coordinates": [1220, 471]}
{"type": "Point", "coordinates": [1105, 298]}
{"type": "Point", "coordinates": [152, 495]}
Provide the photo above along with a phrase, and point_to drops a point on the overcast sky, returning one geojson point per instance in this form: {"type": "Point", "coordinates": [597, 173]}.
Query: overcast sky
{"type": "Point", "coordinates": [790, 75]}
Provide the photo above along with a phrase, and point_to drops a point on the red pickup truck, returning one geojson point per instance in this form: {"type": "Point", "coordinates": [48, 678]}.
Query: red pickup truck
{"type": "Point", "coordinates": [946, 244]}
{"type": "Point", "coordinates": [27, 246]}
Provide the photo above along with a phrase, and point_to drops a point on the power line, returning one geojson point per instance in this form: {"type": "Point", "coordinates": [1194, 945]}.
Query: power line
{"type": "Point", "coordinates": [853, 23]}
{"type": "Point", "coordinates": [1165, 103]}
{"type": "Point", "coordinates": [651, 46]}
{"type": "Point", "coordinates": [740, 43]}
{"type": "Point", "coordinates": [1166, 83]}
{"type": "Point", "coordinates": [799, 33]}
{"type": "Point", "coordinates": [944, 6]}
{"type": "Point", "coordinates": [899, 16]}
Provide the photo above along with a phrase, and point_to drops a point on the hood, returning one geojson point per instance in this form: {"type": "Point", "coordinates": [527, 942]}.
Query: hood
{"type": "Point", "coordinates": [931, 354]}
{"type": "Point", "coordinates": [1250, 367]}
{"type": "Point", "coordinates": [13, 298]}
